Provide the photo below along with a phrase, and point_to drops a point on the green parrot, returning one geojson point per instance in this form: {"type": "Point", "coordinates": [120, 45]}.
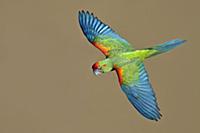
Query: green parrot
{"type": "Point", "coordinates": [126, 61]}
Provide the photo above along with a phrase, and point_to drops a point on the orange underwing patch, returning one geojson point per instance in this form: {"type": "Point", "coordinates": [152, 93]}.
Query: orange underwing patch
{"type": "Point", "coordinates": [102, 48]}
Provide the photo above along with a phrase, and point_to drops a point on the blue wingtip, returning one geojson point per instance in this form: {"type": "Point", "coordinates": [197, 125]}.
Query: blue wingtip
{"type": "Point", "coordinates": [92, 26]}
{"type": "Point", "coordinates": [149, 113]}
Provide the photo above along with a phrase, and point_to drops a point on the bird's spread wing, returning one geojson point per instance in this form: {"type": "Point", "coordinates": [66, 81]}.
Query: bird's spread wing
{"type": "Point", "coordinates": [101, 35]}
{"type": "Point", "coordinates": [135, 84]}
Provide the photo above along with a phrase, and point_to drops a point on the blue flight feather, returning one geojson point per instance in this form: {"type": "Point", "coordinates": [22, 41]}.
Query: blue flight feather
{"type": "Point", "coordinates": [142, 96]}
{"type": "Point", "coordinates": [93, 27]}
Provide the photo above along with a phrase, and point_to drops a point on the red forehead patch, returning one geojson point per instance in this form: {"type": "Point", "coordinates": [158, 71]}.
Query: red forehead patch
{"type": "Point", "coordinates": [95, 65]}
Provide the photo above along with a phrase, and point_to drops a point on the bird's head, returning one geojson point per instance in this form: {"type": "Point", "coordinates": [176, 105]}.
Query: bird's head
{"type": "Point", "coordinates": [102, 67]}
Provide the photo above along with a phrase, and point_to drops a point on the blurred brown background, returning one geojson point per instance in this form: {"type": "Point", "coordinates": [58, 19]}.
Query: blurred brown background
{"type": "Point", "coordinates": [46, 81]}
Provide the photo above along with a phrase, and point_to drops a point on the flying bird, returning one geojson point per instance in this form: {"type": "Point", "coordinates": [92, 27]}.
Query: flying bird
{"type": "Point", "coordinates": [126, 61]}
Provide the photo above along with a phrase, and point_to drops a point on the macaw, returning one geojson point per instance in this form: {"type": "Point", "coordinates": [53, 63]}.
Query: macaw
{"type": "Point", "coordinates": [126, 61]}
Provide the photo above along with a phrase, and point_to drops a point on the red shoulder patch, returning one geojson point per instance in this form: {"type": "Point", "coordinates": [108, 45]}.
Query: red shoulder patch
{"type": "Point", "coordinates": [119, 74]}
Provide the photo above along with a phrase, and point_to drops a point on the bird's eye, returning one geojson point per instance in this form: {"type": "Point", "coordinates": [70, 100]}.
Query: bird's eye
{"type": "Point", "coordinates": [104, 65]}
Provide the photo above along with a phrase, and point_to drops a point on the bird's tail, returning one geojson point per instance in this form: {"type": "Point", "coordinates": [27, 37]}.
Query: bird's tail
{"type": "Point", "coordinates": [166, 46]}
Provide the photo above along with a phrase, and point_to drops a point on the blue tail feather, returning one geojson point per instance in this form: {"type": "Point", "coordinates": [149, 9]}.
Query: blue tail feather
{"type": "Point", "coordinates": [168, 45]}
